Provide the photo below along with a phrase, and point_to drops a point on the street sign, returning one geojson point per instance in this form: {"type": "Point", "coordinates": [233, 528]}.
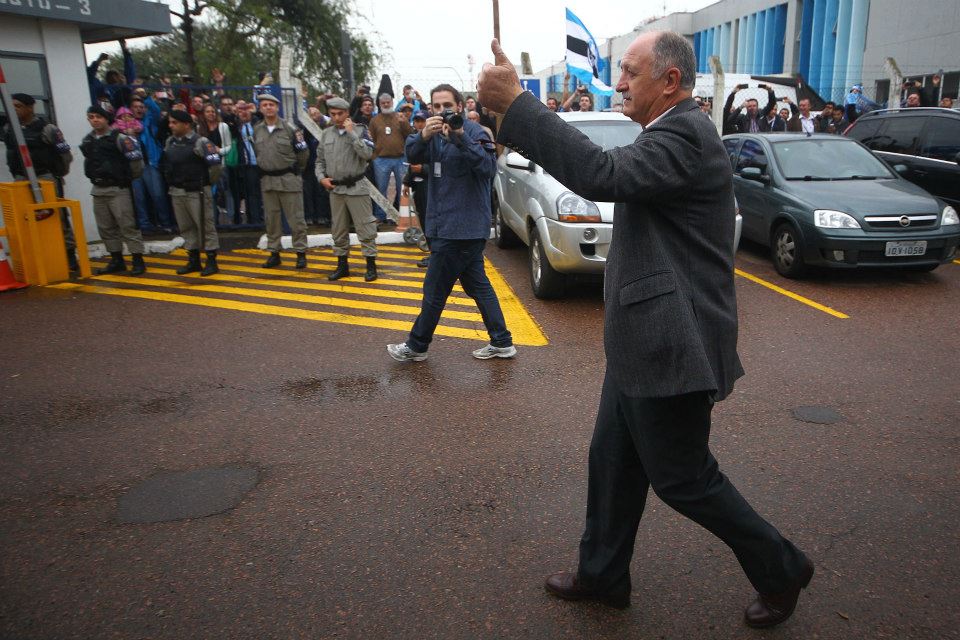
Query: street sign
{"type": "Point", "coordinates": [532, 85]}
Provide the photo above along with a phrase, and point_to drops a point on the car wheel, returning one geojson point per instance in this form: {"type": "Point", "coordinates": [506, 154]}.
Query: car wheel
{"type": "Point", "coordinates": [786, 251]}
{"type": "Point", "coordinates": [503, 235]}
{"type": "Point", "coordinates": [545, 281]}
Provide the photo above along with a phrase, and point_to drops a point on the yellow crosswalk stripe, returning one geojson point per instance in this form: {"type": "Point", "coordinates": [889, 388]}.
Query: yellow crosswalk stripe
{"type": "Point", "coordinates": [388, 251]}
{"type": "Point", "coordinates": [289, 312]}
{"type": "Point", "coordinates": [282, 295]}
{"type": "Point", "coordinates": [313, 257]}
{"type": "Point", "coordinates": [312, 285]}
{"type": "Point", "coordinates": [224, 266]}
{"type": "Point", "coordinates": [524, 328]}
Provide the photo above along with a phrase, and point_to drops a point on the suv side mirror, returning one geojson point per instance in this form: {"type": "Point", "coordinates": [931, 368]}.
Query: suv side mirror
{"type": "Point", "coordinates": [903, 169]}
{"type": "Point", "coordinates": [754, 173]}
{"type": "Point", "coordinates": [517, 161]}
{"type": "Point", "coordinates": [957, 158]}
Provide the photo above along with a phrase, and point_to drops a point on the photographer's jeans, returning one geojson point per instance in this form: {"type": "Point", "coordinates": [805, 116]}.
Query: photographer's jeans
{"type": "Point", "coordinates": [382, 169]}
{"type": "Point", "coordinates": [451, 260]}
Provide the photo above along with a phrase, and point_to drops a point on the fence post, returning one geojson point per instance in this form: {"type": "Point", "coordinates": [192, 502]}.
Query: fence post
{"type": "Point", "coordinates": [718, 93]}
{"type": "Point", "coordinates": [892, 70]}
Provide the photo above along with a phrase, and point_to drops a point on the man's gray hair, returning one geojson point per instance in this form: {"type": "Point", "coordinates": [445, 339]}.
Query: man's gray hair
{"type": "Point", "coordinates": [673, 50]}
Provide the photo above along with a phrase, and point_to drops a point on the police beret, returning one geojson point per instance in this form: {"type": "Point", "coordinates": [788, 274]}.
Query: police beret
{"type": "Point", "coordinates": [181, 116]}
{"type": "Point", "coordinates": [23, 98]}
{"type": "Point", "coordinates": [337, 103]}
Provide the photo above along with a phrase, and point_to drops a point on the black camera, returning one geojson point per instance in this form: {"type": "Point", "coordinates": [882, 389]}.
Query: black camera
{"type": "Point", "coordinates": [452, 119]}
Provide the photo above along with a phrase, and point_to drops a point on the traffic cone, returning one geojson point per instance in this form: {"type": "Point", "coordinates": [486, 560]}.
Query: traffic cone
{"type": "Point", "coordinates": [7, 281]}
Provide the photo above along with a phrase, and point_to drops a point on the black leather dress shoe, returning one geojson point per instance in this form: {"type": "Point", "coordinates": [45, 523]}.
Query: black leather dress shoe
{"type": "Point", "coordinates": [771, 609]}
{"type": "Point", "coordinates": [566, 585]}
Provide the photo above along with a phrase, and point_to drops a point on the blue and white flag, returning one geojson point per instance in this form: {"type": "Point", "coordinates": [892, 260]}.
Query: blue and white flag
{"type": "Point", "coordinates": [583, 56]}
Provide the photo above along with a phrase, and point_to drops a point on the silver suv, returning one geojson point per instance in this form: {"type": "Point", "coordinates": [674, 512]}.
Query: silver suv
{"type": "Point", "coordinates": [565, 233]}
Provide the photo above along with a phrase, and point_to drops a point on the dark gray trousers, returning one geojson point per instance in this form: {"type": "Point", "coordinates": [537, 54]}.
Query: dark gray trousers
{"type": "Point", "coordinates": [662, 443]}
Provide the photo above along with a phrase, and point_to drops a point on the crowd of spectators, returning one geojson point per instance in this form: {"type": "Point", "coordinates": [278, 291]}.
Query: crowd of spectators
{"type": "Point", "coordinates": [226, 116]}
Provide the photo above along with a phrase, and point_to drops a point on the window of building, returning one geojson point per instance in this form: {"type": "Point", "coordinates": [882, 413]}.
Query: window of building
{"type": "Point", "coordinates": [28, 74]}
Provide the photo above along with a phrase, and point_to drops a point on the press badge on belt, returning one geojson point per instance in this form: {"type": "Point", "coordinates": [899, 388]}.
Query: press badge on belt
{"type": "Point", "coordinates": [436, 170]}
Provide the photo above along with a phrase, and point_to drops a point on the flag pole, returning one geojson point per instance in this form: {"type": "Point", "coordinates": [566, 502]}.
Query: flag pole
{"type": "Point", "coordinates": [496, 20]}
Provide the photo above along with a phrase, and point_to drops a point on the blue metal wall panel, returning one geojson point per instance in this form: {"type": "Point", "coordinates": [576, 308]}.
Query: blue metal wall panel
{"type": "Point", "coordinates": [751, 44]}
{"type": "Point", "coordinates": [843, 48]}
{"type": "Point", "coordinates": [759, 32]}
{"type": "Point", "coordinates": [696, 50]}
{"type": "Point", "coordinates": [806, 32]}
{"type": "Point", "coordinates": [825, 88]}
{"type": "Point", "coordinates": [816, 43]}
{"type": "Point", "coordinates": [780, 34]}
{"type": "Point", "coordinates": [738, 65]}
{"type": "Point", "coordinates": [769, 39]}
{"type": "Point", "coordinates": [858, 41]}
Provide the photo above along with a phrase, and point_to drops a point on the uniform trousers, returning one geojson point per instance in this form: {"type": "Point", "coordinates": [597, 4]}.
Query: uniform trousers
{"type": "Point", "coordinates": [290, 205]}
{"type": "Point", "coordinates": [116, 221]}
{"type": "Point", "coordinates": [359, 209]}
{"type": "Point", "coordinates": [639, 443]}
{"type": "Point", "coordinates": [186, 207]}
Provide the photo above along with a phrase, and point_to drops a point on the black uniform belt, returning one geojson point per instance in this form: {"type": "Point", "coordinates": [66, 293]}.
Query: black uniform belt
{"type": "Point", "coordinates": [348, 182]}
{"type": "Point", "coordinates": [277, 172]}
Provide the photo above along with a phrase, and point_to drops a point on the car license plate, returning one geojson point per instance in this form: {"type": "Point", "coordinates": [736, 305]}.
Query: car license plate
{"type": "Point", "coordinates": [913, 248]}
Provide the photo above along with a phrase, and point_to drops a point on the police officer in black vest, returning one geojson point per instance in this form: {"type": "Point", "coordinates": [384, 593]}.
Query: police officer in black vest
{"type": "Point", "coordinates": [191, 163]}
{"type": "Point", "coordinates": [50, 155]}
{"type": "Point", "coordinates": [112, 161]}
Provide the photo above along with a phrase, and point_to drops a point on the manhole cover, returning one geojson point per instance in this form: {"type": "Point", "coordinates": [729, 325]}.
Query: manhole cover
{"type": "Point", "coordinates": [186, 494]}
{"type": "Point", "coordinates": [817, 415]}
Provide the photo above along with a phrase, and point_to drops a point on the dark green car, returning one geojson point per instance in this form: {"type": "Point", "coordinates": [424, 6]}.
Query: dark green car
{"type": "Point", "coordinates": [827, 201]}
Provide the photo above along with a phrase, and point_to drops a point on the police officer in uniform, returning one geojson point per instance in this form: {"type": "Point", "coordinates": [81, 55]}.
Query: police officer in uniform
{"type": "Point", "coordinates": [191, 164]}
{"type": "Point", "coordinates": [342, 157]}
{"type": "Point", "coordinates": [282, 155]}
{"type": "Point", "coordinates": [50, 155]}
{"type": "Point", "coordinates": [112, 161]}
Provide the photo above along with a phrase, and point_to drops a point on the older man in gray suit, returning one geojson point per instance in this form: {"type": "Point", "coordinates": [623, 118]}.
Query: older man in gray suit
{"type": "Point", "coordinates": [670, 328]}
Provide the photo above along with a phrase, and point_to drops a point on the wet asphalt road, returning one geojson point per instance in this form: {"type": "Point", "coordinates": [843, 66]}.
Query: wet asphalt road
{"type": "Point", "coordinates": [430, 500]}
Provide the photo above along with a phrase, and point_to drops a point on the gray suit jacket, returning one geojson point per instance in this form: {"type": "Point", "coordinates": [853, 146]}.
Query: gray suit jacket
{"type": "Point", "coordinates": [670, 302]}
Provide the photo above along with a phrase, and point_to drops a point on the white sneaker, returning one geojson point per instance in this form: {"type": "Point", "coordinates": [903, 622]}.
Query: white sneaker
{"type": "Point", "coordinates": [490, 351]}
{"type": "Point", "coordinates": [402, 353]}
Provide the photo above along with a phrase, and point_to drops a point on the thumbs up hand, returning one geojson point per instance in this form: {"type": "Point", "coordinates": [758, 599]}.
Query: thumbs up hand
{"type": "Point", "coordinates": [499, 84]}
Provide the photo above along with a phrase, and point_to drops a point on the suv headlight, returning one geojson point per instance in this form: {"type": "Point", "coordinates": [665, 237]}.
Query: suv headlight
{"type": "Point", "coordinates": [949, 216]}
{"type": "Point", "coordinates": [829, 219]}
{"type": "Point", "coordinates": [573, 208]}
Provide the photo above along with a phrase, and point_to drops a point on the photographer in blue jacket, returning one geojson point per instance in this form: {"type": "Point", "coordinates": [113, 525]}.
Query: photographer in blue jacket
{"type": "Point", "coordinates": [460, 161]}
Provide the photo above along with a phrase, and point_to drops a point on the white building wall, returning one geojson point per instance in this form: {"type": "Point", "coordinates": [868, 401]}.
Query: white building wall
{"type": "Point", "coordinates": [62, 47]}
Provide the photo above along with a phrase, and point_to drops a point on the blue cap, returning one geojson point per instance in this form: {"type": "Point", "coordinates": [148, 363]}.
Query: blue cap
{"type": "Point", "coordinates": [421, 115]}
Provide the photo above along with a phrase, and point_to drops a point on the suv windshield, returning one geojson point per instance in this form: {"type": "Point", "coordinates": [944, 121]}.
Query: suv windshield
{"type": "Point", "coordinates": [608, 134]}
{"type": "Point", "coordinates": [827, 159]}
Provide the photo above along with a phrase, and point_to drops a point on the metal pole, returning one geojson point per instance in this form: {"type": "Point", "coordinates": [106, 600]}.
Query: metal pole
{"type": "Point", "coordinates": [496, 20]}
{"type": "Point", "coordinates": [14, 121]}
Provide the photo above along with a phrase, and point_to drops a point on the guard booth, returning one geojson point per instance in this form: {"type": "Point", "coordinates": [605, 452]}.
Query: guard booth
{"type": "Point", "coordinates": [42, 55]}
{"type": "Point", "coordinates": [35, 236]}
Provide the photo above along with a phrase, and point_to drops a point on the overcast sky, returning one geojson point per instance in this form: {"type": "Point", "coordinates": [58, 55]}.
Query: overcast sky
{"type": "Point", "coordinates": [425, 43]}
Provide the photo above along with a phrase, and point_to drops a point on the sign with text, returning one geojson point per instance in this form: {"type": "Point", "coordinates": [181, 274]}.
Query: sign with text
{"type": "Point", "coordinates": [532, 85]}
{"type": "Point", "coordinates": [131, 14]}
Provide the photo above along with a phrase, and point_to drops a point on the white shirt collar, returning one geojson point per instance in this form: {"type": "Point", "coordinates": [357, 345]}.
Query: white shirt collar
{"type": "Point", "coordinates": [654, 121]}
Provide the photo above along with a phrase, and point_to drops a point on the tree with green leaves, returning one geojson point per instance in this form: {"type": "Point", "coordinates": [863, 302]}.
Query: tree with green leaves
{"type": "Point", "coordinates": [243, 39]}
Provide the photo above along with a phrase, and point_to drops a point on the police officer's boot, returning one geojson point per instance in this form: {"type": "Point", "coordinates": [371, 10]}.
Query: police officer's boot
{"type": "Point", "coordinates": [193, 262]}
{"type": "Point", "coordinates": [137, 266]}
{"type": "Point", "coordinates": [211, 267]}
{"type": "Point", "coordinates": [342, 271]}
{"type": "Point", "coordinates": [272, 261]}
{"type": "Point", "coordinates": [371, 273]}
{"type": "Point", "coordinates": [301, 260]}
{"type": "Point", "coordinates": [116, 264]}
